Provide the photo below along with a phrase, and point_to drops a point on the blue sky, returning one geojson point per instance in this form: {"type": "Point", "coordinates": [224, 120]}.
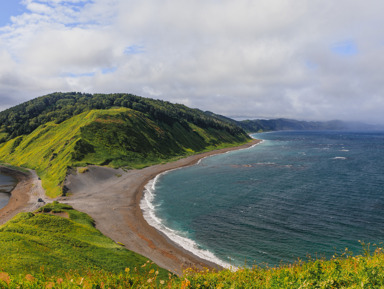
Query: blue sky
{"type": "Point", "coordinates": [10, 8]}
{"type": "Point", "coordinates": [303, 59]}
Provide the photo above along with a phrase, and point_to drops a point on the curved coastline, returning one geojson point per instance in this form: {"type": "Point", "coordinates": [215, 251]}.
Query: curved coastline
{"type": "Point", "coordinates": [187, 244]}
{"type": "Point", "coordinates": [112, 198]}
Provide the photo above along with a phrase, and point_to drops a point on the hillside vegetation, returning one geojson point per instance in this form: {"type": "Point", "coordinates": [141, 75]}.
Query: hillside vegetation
{"type": "Point", "coordinates": [55, 132]}
{"type": "Point", "coordinates": [347, 271]}
{"type": "Point", "coordinates": [58, 238]}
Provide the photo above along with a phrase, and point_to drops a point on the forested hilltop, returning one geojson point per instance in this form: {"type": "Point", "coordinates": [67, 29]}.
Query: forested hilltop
{"type": "Point", "coordinates": [58, 107]}
{"type": "Point", "coordinates": [56, 132]}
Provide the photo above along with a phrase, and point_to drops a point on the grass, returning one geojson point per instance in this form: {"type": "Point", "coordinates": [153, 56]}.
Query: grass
{"type": "Point", "coordinates": [45, 250]}
{"type": "Point", "coordinates": [118, 137]}
{"type": "Point", "coordinates": [44, 241]}
{"type": "Point", "coordinates": [347, 271]}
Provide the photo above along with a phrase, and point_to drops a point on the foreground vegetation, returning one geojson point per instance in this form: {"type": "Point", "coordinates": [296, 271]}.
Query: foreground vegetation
{"type": "Point", "coordinates": [56, 237]}
{"type": "Point", "coordinates": [53, 133]}
{"type": "Point", "coordinates": [347, 271]}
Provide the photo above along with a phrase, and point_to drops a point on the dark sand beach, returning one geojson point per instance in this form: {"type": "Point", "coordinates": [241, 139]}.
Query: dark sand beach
{"type": "Point", "coordinates": [112, 198]}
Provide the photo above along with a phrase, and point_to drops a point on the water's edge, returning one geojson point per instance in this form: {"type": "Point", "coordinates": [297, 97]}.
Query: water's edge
{"type": "Point", "coordinates": [149, 213]}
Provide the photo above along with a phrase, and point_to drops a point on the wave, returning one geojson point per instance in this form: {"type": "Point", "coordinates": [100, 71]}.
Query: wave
{"type": "Point", "coordinates": [339, 158]}
{"type": "Point", "coordinates": [149, 213]}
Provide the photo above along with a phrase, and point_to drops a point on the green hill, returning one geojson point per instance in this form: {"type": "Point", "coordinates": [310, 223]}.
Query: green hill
{"type": "Point", "coordinates": [56, 237]}
{"type": "Point", "coordinates": [74, 130]}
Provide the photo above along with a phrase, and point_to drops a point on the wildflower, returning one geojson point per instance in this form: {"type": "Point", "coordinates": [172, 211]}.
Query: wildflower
{"type": "Point", "coordinates": [29, 277]}
{"type": "Point", "coordinates": [49, 285]}
{"type": "Point", "coordinates": [186, 283]}
{"type": "Point", "coordinates": [149, 280]}
{"type": "Point", "coordinates": [127, 270]}
{"type": "Point", "coordinates": [152, 271]}
{"type": "Point", "coordinates": [157, 272]}
{"type": "Point", "coordinates": [162, 282]}
{"type": "Point", "coordinates": [5, 277]}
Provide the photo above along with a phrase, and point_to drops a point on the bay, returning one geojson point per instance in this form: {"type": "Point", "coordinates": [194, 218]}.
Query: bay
{"type": "Point", "coordinates": [295, 194]}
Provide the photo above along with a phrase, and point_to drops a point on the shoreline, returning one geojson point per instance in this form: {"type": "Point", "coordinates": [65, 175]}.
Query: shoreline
{"type": "Point", "coordinates": [184, 242]}
{"type": "Point", "coordinates": [24, 196]}
{"type": "Point", "coordinates": [112, 198]}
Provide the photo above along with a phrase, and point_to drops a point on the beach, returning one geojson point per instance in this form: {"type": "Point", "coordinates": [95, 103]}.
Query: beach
{"type": "Point", "coordinates": [25, 197]}
{"type": "Point", "coordinates": [112, 198]}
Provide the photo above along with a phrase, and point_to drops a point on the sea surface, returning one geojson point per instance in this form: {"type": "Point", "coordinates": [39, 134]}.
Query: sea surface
{"type": "Point", "coordinates": [7, 183]}
{"type": "Point", "coordinates": [295, 195]}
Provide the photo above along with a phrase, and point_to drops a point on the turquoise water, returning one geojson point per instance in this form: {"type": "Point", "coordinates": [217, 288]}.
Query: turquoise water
{"type": "Point", "coordinates": [295, 194]}
{"type": "Point", "coordinates": [6, 185]}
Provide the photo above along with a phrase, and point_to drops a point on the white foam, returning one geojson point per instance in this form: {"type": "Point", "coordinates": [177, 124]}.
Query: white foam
{"type": "Point", "coordinates": [149, 213]}
{"type": "Point", "coordinates": [339, 158]}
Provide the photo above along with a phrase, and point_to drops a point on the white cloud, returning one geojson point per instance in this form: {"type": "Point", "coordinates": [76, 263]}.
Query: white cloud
{"type": "Point", "coordinates": [271, 58]}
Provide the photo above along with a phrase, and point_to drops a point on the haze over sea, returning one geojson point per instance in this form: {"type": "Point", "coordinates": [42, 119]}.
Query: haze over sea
{"type": "Point", "coordinates": [295, 194]}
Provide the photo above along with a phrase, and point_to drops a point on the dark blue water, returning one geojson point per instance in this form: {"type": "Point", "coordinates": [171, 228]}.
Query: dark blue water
{"type": "Point", "coordinates": [7, 183]}
{"type": "Point", "coordinates": [295, 194]}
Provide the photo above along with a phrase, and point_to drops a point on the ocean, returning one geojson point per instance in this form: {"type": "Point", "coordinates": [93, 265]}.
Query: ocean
{"type": "Point", "coordinates": [7, 183]}
{"type": "Point", "coordinates": [296, 195]}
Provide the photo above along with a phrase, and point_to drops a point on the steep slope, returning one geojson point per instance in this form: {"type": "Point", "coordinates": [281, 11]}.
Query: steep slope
{"type": "Point", "coordinates": [119, 137]}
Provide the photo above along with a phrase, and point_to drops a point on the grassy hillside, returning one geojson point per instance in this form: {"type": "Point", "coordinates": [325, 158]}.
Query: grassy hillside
{"type": "Point", "coordinates": [117, 137]}
{"type": "Point", "coordinates": [58, 238]}
{"type": "Point", "coordinates": [58, 107]}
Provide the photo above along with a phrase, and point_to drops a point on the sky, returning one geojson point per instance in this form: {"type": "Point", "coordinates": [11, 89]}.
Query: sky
{"type": "Point", "coordinates": [301, 59]}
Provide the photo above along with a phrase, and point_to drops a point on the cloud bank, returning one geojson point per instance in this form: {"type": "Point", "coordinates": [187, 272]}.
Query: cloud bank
{"type": "Point", "coordinates": [303, 59]}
